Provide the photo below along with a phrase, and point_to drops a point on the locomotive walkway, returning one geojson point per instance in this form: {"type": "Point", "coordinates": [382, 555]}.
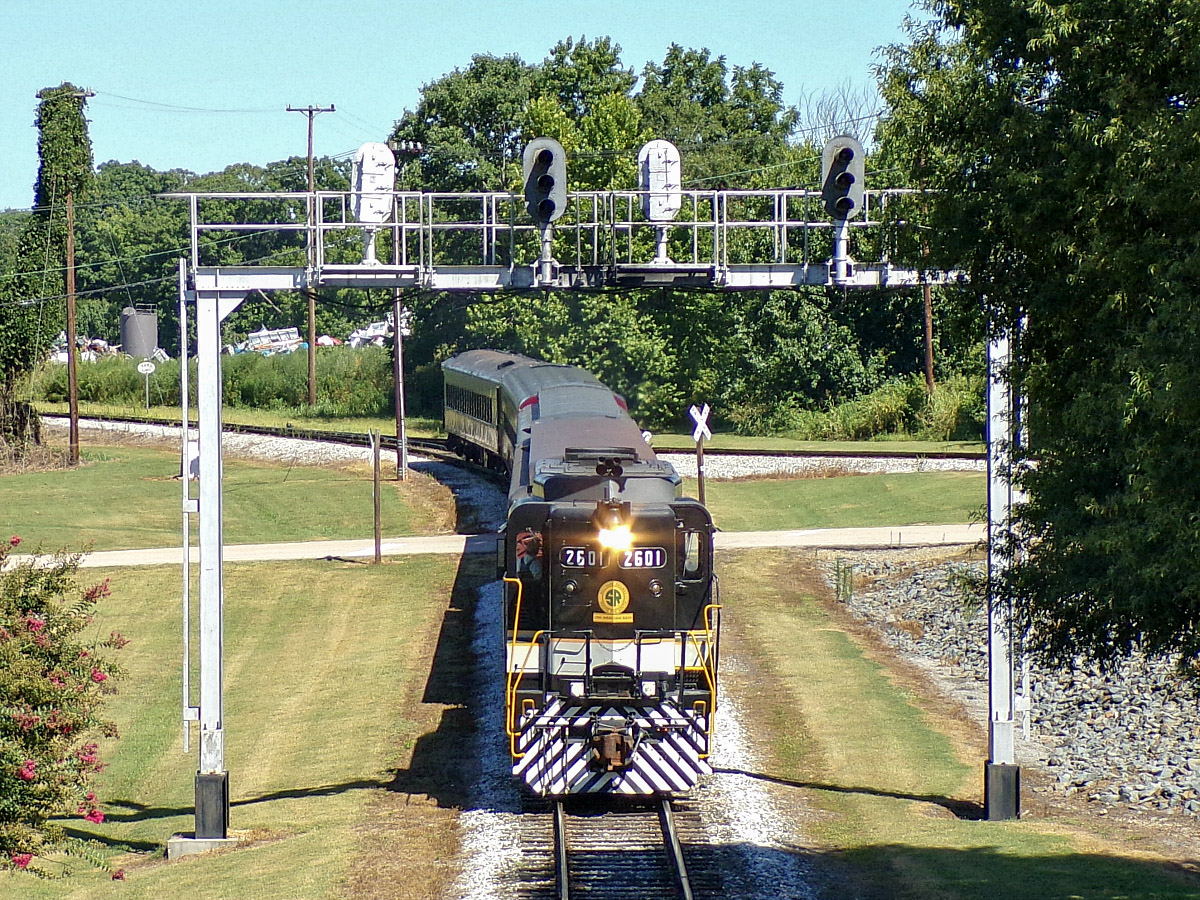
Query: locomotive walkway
{"type": "Point", "coordinates": [457, 544]}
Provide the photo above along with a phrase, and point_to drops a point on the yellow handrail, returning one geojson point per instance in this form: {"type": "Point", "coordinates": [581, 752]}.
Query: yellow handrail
{"type": "Point", "coordinates": [704, 654]}
{"type": "Point", "coordinates": [512, 683]}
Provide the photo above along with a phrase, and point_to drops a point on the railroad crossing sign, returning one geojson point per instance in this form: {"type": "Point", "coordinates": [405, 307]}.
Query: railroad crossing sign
{"type": "Point", "coordinates": [701, 432]}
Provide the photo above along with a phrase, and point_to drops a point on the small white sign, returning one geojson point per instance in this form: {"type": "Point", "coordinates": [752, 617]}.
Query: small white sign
{"type": "Point", "coordinates": [700, 416]}
{"type": "Point", "coordinates": [145, 367]}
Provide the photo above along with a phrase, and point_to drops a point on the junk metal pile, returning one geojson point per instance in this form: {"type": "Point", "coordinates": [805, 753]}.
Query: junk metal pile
{"type": "Point", "coordinates": [1127, 738]}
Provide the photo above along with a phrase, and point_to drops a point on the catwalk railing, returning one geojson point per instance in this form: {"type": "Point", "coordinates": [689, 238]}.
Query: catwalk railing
{"type": "Point", "coordinates": [732, 240]}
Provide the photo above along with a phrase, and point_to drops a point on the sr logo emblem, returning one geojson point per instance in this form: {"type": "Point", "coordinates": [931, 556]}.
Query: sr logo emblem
{"type": "Point", "coordinates": [613, 598]}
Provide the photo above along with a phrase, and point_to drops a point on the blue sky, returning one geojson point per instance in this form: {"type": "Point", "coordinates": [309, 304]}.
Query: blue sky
{"type": "Point", "coordinates": [202, 84]}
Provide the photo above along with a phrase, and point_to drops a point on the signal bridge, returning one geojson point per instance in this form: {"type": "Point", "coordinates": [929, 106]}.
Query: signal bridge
{"type": "Point", "coordinates": [721, 240]}
{"type": "Point", "coordinates": [547, 239]}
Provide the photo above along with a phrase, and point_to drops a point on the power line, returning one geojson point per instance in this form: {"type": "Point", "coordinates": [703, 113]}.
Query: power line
{"type": "Point", "coordinates": [171, 107]}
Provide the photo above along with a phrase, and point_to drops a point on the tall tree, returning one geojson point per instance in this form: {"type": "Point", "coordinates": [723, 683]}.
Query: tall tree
{"type": "Point", "coordinates": [30, 300]}
{"type": "Point", "coordinates": [1061, 142]}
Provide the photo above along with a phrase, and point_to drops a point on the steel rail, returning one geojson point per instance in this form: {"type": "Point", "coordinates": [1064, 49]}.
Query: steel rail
{"type": "Point", "coordinates": [562, 878]}
{"type": "Point", "coordinates": [674, 849]}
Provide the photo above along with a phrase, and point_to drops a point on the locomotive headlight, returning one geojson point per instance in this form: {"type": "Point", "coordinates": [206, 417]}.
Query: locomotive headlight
{"type": "Point", "coordinates": [616, 538]}
{"type": "Point", "coordinates": [656, 588]}
{"type": "Point", "coordinates": [611, 521]}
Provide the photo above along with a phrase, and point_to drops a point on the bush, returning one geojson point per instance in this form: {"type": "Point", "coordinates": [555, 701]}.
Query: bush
{"type": "Point", "coordinates": [955, 411]}
{"type": "Point", "coordinates": [52, 692]}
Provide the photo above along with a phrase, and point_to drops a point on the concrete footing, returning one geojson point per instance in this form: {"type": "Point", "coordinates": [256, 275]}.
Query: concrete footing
{"type": "Point", "coordinates": [180, 845]}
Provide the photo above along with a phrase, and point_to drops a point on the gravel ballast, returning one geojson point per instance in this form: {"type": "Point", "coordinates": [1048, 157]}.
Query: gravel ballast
{"type": "Point", "coordinates": [1122, 738]}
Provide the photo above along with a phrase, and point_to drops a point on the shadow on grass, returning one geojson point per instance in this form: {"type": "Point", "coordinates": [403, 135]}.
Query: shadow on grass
{"type": "Point", "coordinates": [962, 809]}
{"type": "Point", "coordinates": [118, 844]}
{"type": "Point", "coordinates": [441, 766]}
{"type": "Point", "coordinates": [1000, 873]}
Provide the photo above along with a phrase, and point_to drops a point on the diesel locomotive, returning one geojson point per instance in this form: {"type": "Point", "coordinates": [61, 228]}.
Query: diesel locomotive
{"type": "Point", "coordinates": [611, 612]}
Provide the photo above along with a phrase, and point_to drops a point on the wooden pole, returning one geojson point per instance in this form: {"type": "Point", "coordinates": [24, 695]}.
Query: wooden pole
{"type": "Point", "coordinates": [928, 337]}
{"type": "Point", "coordinates": [311, 112]}
{"type": "Point", "coordinates": [72, 350]}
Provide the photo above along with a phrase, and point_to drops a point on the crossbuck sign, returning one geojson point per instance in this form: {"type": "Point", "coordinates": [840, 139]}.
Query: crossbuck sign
{"type": "Point", "coordinates": [700, 415]}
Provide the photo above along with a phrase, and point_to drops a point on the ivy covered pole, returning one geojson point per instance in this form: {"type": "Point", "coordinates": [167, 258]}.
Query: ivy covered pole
{"type": "Point", "coordinates": [66, 154]}
{"type": "Point", "coordinates": [28, 301]}
{"type": "Point", "coordinates": [72, 344]}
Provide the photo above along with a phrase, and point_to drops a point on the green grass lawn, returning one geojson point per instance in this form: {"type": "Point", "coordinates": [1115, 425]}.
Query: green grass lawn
{"type": "Point", "coordinates": [126, 497]}
{"type": "Point", "coordinates": [857, 501]}
{"type": "Point", "coordinates": [319, 657]}
{"type": "Point", "coordinates": [897, 780]}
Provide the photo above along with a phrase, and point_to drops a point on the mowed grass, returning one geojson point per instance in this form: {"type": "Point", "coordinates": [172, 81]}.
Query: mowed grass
{"type": "Point", "coordinates": [897, 778]}
{"type": "Point", "coordinates": [853, 501]}
{"type": "Point", "coordinates": [126, 497]}
{"type": "Point", "coordinates": [319, 658]}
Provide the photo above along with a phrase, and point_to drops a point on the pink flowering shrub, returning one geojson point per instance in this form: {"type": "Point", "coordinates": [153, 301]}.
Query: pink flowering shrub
{"type": "Point", "coordinates": [53, 687]}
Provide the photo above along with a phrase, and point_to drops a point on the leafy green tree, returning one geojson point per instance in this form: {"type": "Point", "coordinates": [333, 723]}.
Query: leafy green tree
{"type": "Point", "coordinates": [728, 124]}
{"type": "Point", "coordinates": [1060, 140]}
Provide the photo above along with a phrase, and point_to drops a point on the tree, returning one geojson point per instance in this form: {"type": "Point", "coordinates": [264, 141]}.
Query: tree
{"type": "Point", "coordinates": [53, 686]}
{"type": "Point", "coordinates": [728, 125]}
{"type": "Point", "coordinates": [1061, 142]}
{"type": "Point", "coordinates": [30, 301]}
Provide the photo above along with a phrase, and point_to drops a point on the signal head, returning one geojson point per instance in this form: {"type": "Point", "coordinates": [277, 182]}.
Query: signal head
{"type": "Point", "coordinates": [545, 166]}
{"type": "Point", "coordinates": [842, 177]}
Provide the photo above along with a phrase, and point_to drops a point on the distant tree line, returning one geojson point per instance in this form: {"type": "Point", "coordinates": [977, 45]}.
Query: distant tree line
{"type": "Point", "coordinates": [761, 359]}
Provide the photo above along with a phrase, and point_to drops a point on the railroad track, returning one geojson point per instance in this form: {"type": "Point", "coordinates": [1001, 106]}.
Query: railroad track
{"type": "Point", "coordinates": [437, 446]}
{"type": "Point", "coordinates": [614, 849]}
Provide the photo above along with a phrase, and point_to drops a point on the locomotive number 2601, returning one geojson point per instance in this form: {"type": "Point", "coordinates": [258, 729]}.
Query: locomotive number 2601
{"type": "Point", "coordinates": [637, 558]}
{"type": "Point", "coordinates": [644, 558]}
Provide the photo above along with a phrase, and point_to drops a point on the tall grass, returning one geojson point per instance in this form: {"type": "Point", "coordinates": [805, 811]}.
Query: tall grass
{"type": "Point", "coordinates": [902, 408]}
{"type": "Point", "coordinates": [350, 382]}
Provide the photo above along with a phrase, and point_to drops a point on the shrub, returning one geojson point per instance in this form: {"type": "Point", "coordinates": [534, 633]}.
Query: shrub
{"type": "Point", "coordinates": [53, 687]}
{"type": "Point", "coordinates": [955, 411]}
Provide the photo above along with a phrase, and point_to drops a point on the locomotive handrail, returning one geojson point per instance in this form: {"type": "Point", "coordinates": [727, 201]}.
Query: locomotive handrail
{"type": "Point", "coordinates": [510, 689]}
{"type": "Point", "coordinates": [704, 653]}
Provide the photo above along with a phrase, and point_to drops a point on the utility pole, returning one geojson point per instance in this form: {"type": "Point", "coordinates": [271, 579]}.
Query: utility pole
{"type": "Point", "coordinates": [311, 112]}
{"type": "Point", "coordinates": [928, 335]}
{"type": "Point", "coordinates": [927, 296]}
{"type": "Point", "coordinates": [72, 349]}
